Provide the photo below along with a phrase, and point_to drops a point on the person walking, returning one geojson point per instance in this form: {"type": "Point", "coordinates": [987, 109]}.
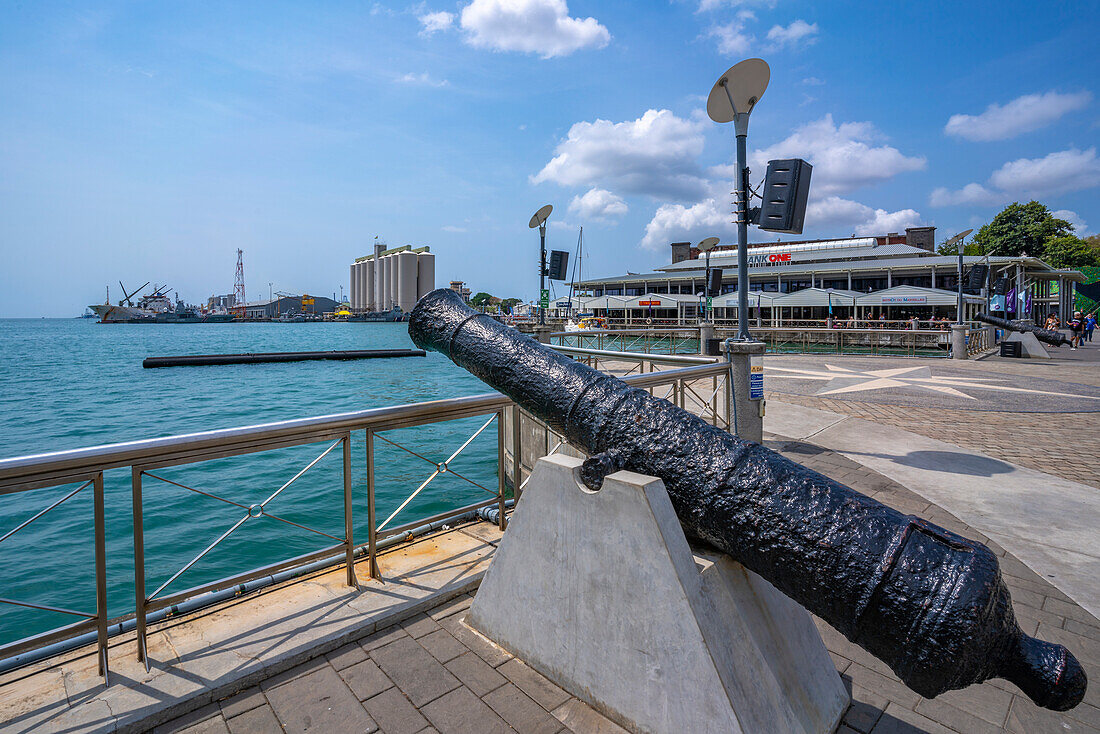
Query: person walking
{"type": "Point", "coordinates": [1077, 327]}
{"type": "Point", "coordinates": [1090, 326]}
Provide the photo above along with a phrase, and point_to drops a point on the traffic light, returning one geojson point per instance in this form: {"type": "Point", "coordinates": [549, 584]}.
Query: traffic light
{"type": "Point", "coordinates": [714, 285]}
{"type": "Point", "coordinates": [559, 265]}
{"type": "Point", "coordinates": [786, 188]}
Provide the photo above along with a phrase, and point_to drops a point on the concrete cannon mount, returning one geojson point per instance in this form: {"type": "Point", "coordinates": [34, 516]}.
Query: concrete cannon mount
{"type": "Point", "coordinates": [601, 593]}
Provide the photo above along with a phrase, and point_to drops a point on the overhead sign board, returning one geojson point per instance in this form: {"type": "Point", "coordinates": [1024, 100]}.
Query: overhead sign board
{"type": "Point", "coordinates": [773, 259]}
{"type": "Point", "coordinates": [649, 303]}
{"type": "Point", "coordinates": [910, 300]}
{"type": "Point", "coordinates": [562, 304]}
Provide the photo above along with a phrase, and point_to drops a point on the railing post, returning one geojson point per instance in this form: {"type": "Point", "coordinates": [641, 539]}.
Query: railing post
{"type": "Point", "coordinates": [500, 467]}
{"type": "Point", "coordinates": [372, 537]}
{"type": "Point", "coordinates": [100, 575]}
{"type": "Point", "coordinates": [349, 539]}
{"type": "Point", "coordinates": [139, 567]}
{"type": "Point", "coordinates": [714, 399]}
{"type": "Point", "coordinates": [517, 454]}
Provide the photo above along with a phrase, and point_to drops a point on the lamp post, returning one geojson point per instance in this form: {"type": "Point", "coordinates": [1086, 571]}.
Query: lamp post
{"type": "Point", "coordinates": [957, 240]}
{"type": "Point", "coordinates": [706, 246]}
{"type": "Point", "coordinates": [538, 219]}
{"type": "Point", "coordinates": [732, 99]}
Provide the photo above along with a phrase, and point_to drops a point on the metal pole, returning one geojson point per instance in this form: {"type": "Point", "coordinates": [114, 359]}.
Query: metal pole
{"type": "Point", "coordinates": [500, 468]}
{"type": "Point", "coordinates": [542, 270]}
{"type": "Point", "coordinates": [742, 229]}
{"type": "Point", "coordinates": [139, 566]}
{"type": "Point", "coordinates": [959, 310]}
{"type": "Point", "coordinates": [349, 537]}
{"type": "Point", "coordinates": [517, 454]}
{"type": "Point", "coordinates": [706, 287]}
{"type": "Point", "coordinates": [100, 575]}
{"type": "Point", "coordinates": [372, 536]}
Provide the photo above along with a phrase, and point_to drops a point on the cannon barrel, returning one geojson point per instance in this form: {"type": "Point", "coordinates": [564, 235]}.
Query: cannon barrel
{"type": "Point", "coordinates": [1054, 338]}
{"type": "Point", "coordinates": [927, 602]}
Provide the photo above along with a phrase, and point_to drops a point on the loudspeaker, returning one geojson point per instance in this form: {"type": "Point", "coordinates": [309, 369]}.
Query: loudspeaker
{"type": "Point", "coordinates": [1000, 288]}
{"type": "Point", "coordinates": [559, 265]}
{"type": "Point", "coordinates": [786, 188]}
{"type": "Point", "coordinates": [714, 285]}
{"type": "Point", "coordinates": [976, 279]}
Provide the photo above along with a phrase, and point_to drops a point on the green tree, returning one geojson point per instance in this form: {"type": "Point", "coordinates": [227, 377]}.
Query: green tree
{"type": "Point", "coordinates": [1021, 228]}
{"type": "Point", "coordinates": [1069, 252]}
{"type": "Point", "coordinates": [480, 299]}
{"type": "Point", "coordinates": [507, 303]}
{"type": "Point", "coordinates": [969, 248]}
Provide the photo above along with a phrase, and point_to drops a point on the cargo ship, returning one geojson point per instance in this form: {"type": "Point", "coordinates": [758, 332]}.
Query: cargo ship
{"type": "Point", "coordinates": [153, 308]}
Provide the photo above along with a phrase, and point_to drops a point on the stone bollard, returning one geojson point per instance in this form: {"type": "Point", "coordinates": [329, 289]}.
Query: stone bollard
{"type": "Point", "coordinates": [748, 414]}
{"type": "Point", "coordinates": [706, 331]}
{"type": "Point", "coordinates": [829, 322]}
{"type": "Point", "coordinates": [914, 324]}
{"type": "Point", "coordinates": [958, 341]}
{"type": "Point", "coordinates": [542, 333]}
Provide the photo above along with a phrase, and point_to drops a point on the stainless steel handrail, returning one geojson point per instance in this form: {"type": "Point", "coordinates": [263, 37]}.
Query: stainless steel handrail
{"type": "Point", "coordinates": [77, 465]}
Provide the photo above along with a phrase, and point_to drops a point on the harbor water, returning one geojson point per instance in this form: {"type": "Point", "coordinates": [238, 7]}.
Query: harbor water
{"type": "Point", "coordinates": [72, 383]}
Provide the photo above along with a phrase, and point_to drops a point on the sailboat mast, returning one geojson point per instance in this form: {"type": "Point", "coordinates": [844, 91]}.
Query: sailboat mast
{"type": "Point", "coordinates": [576, 265]}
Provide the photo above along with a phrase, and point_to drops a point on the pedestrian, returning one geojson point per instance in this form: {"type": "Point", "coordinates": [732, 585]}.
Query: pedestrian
{"type": "Point", "coordinates": [1077, 325]}
{"type": "Point", "coordinates": [1090, 326]}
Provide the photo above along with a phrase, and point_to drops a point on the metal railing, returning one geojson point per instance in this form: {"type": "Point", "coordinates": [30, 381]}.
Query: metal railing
{"type": "Point", "coordinates": [146, 458]}
{"type": "Point", "coordinates": [648, 341]}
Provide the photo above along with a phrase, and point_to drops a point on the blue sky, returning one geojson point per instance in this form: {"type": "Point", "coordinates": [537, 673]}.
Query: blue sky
{"type": "Point", "coordinates": [147, 141]}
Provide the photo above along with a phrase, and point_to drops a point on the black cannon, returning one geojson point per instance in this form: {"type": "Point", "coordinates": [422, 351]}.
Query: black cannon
{"type": "Point", "coordinates": [929, 603]}
{"type": "Point", "coordinates": [1053, 338]}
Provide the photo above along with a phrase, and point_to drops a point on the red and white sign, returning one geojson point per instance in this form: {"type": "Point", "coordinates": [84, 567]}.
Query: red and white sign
{"type": "Point", "coordinates": [649, 303]}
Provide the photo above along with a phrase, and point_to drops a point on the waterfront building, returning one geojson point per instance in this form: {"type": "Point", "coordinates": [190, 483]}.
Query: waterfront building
{"type": "Point", "coordinates": [895, 276]}
{"type": "Point", "coordinates": [388, 278]}
{"type": "Point", "coordinates": [459, 287]}
{"type": "Point", "coordinates": [273, 308]}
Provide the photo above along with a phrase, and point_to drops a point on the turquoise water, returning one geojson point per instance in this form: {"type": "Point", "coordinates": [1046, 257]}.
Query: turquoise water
{"type": "Point", "coordinates": [71, 383]}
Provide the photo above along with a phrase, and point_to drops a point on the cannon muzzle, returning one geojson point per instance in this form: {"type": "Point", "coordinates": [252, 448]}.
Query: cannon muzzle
{"type": "Point", "coordinates": [929, 603]}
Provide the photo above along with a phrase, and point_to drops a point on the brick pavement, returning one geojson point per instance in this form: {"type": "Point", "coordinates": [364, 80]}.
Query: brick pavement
{"type": "Point", "coordinates": [430, 673]}
{"type": "Point", "coordinates": [1062, 444]}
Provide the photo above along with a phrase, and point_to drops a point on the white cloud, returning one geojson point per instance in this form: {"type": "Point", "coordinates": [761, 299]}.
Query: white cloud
{"type": "Point", "coordinates": [844, 156]}
{"type": "Point", "coordinates": [1066, 170]}
{"type": "Point", "coordinates": [1033, 178]}
{"type": "Point", "coordinates": [859, 218]}
{"type": "Point", "coordinates": [972, 193]}
{"type": "Point", "coordinates": [679, 223]}
{"type": "Point", "coordinates": [798, 30]}
{"type": "Point", "coordinates": [1021, 115]}
{"type": "Point", "coordinates": [541, 27]}
{"type": "Point", "coordinates": [452, 228]}
{"type": "Point", "coordinates": [1080, 227]}
{"type": "Point", "coordinates": [423, 79]}
{"type": "Point", "coordinates": [435, 22]}
{"type": "Point", "coordinates": [812, 81]}
{"type": "Point", "coordinates": [705, 5]}
{"type": "Point", "coordinates": [654, 155]}
{"type": "Point", "coordinates": [732, 38]}
{"type": "Point", "coordinates": [598, 204]}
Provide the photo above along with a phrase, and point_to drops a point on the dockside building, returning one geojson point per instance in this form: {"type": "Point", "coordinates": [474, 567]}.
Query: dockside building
{"type": "Point", "coordinates": [895, 276]}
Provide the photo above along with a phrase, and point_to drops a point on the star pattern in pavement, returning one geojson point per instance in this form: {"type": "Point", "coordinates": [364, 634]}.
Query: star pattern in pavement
{"type": "Point", "coordinates": [839, 380]}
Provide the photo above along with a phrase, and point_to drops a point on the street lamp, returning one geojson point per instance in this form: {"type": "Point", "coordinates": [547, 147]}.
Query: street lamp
{"type": "Point", "coordinates": [705, 247]}
{"type": "Point", "coordinates": [957, 240]}
{"type": "Point", "coordinates": [732, 99]}
{"type": "Point", "coordinates": [538, 219]}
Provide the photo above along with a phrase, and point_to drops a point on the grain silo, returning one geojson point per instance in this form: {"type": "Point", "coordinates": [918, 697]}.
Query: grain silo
{"type": "Point", "coordinates": [378, 292]}
{"type": "Point", "coordinates": [425, 274]}
{"type": "Point", "coordinates": [406, 280]}
{"type": "Point", "coordinates": [353, 293]}
{"type": "Point", "coordinates": [392, 272]}
{"type": "Point", "coordinates": [387, 284]}
{"type": "Point", "coordinates": [368, 284]}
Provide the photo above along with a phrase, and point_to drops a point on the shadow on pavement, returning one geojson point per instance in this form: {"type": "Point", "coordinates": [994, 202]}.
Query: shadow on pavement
{"type": "Point", "coordinates": [949, 462]}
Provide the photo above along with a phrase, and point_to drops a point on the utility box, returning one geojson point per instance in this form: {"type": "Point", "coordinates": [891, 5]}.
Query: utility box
{"type": "Point", "coordinates": [1011, 349]}
{"type": "Point", "coordinates": [559, 265]}
{"type": "Point", "coordinates": [786, 188]}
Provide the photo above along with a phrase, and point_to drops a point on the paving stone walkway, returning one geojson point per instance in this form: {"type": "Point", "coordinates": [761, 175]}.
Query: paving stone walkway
{"type": "Point", "coordinates": [430, 673]}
